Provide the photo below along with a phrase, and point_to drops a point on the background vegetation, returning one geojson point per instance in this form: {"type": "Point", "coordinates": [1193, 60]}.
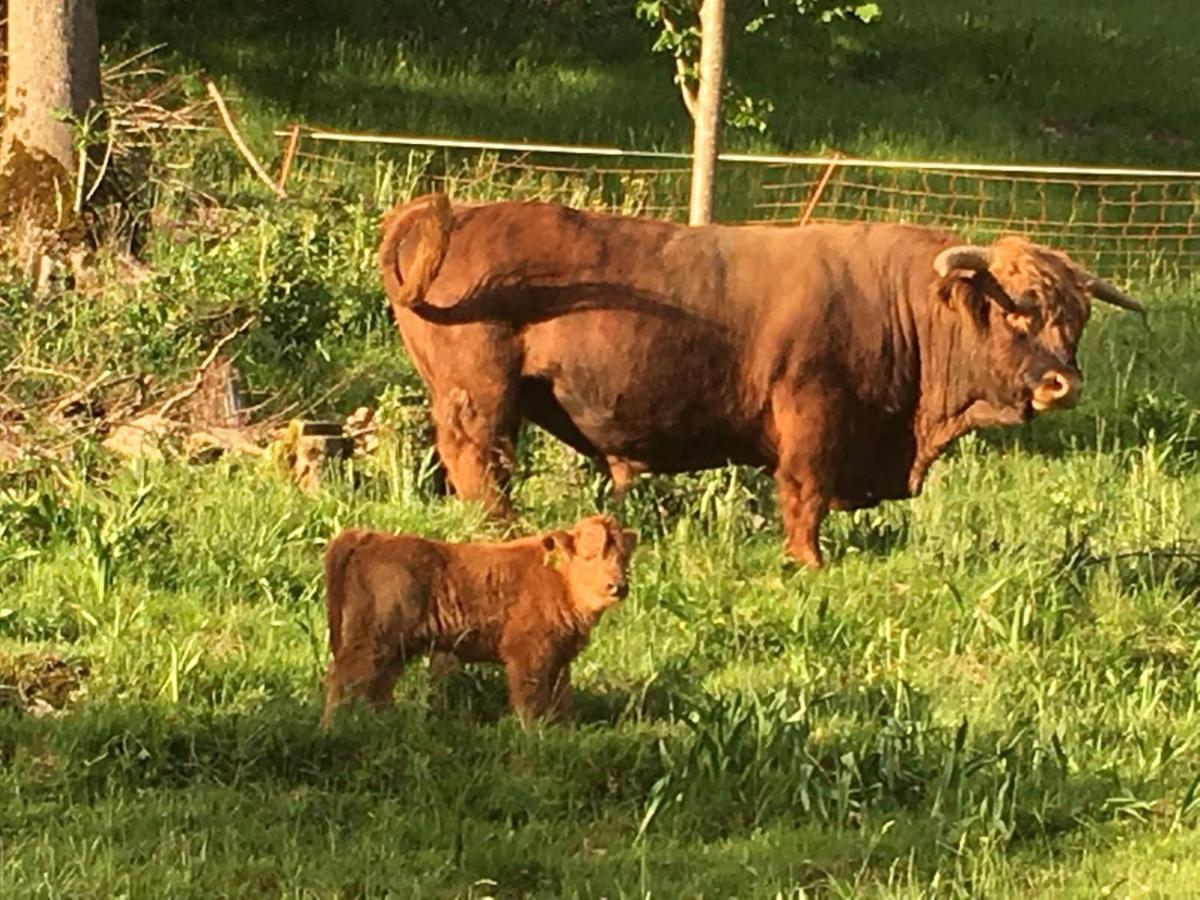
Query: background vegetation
{"type": "Point", "coordinates": [992, 691]}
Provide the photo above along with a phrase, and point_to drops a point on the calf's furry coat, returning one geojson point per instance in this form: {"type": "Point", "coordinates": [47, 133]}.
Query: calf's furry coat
{"type": "Point", "coordinates": [528, 604]}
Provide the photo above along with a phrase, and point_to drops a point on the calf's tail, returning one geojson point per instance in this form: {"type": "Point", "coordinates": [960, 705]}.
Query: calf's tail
{"type": "Point", "coordinates": [424, 225]}
{"type": "Point", "coordinates": [337, 555]}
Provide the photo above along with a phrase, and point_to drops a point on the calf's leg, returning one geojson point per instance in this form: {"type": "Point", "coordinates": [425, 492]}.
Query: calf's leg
{"type": "Point", "coordinates": [348, 672]}
{"type": "Point", "coordinates": [360, 671]}
{"type": "Point", "coordinates": [561, 694]}
{"type": "Point", "coordinates": [531, 686]}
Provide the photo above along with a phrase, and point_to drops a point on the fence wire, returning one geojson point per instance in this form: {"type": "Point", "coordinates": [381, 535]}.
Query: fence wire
{"type": "Point", "coordinates": [1123, 223]}
{"type": "Point", "coordinates": [1143, 225]}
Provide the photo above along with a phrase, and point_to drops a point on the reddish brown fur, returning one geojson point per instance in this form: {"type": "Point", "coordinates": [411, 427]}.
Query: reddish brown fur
{"type": "Point", "coordinates": [833, 354]}
{"type": "Point", "coordinates": [426, 224]}
{"type": "Point", "coordinates": [528, 604]}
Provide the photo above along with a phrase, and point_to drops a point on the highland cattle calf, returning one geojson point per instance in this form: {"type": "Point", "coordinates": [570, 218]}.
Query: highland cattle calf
{"type": "Point", "coordinates": [528, 604]}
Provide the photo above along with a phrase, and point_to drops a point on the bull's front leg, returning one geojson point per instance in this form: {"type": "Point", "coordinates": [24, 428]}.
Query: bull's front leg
{"type": "Point", "coordinates": [803, 503]}
{"type": "Point", "coordinates": [806, 428]}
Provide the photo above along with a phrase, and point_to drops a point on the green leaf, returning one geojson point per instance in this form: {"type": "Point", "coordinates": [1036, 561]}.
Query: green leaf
{"type": "Point", "coordinates": [867, 12]}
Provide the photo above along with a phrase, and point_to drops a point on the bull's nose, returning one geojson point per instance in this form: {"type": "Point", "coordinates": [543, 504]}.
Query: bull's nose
{"type": "Point", "coordinates": [618, 589]}
{"type": "Point", "coordinates": [1057, 390]}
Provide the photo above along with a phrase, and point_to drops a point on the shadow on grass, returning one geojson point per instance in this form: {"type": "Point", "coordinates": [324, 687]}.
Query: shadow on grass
{"type": "Point", "coordinates": [702, 769]}
{"type": "Point", "coordinates": [408, 66]}
{"type": "Point", "coordinates": [999, 80]}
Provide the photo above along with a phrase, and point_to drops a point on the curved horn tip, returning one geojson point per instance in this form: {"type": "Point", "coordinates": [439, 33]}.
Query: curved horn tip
{"type": "Point", "coordinates": [962, 256]}
{"type": "Point", "coordinates": [1102, 290]}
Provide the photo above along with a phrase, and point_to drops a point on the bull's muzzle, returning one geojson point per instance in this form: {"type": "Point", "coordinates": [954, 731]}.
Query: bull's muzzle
{"type": "Point", "coordinates": [1057, 390]}
{"type": "Point", "coordinates": [618, 589]}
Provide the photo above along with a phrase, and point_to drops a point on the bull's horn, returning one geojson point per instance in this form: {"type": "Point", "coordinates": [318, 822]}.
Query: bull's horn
{"type": "Point", "coordinates": [963, 256]}
{"type": "Point", "coordinates": [1102, 290]}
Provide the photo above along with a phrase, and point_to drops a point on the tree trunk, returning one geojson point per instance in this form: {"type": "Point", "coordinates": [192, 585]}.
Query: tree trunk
{"type": "Point", "coordinates": [53, 67]}
{"type": "Point", "coordinates": [708, 111]}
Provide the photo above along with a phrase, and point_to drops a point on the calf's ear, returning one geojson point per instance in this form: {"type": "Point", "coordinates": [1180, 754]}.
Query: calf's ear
{"type": "Point", "coordinates": [631, 539]}
{"type": "Point", "coordinates": [559, 541]}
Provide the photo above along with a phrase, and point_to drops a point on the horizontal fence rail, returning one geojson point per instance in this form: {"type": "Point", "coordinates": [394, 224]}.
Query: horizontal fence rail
{"type": "Point", "coordinates": [1113, 219]}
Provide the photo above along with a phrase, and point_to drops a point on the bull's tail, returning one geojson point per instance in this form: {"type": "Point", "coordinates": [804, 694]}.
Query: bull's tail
{"type": "Point", "coordinates": [337, 555]}
{"type": "Point", "coordinates": [424, 224]}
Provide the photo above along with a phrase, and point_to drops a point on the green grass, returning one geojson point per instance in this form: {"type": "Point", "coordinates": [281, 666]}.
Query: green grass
{"type": "Point", "coordinates": [1091, 82]}
{"type": "Point", "coordinates": [991, 690]}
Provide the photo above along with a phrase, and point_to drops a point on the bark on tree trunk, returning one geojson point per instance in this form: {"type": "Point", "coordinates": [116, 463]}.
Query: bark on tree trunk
{"type": "Point", "coordinates": [53, 66]}
{"type": "Point", "coordinates": [708, 111]}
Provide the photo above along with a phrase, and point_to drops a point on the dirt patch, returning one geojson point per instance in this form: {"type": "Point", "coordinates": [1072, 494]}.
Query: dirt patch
{"type": "Point", "coordinates": [38, 683]}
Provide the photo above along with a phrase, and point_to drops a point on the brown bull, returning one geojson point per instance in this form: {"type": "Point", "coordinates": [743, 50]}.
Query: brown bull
{"type": "Point", "coordinates": [844, 357]}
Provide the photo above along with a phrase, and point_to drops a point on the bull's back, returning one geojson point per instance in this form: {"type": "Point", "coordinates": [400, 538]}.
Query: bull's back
{"type": "Point", "coordinates": [650, 368]}
{"type": "Point", "coordinates": [687, 383]}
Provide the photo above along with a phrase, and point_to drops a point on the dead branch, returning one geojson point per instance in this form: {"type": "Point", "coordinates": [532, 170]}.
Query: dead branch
{"type": "Point", "coordinates": [43, 370]}
{"type": "Point", "coordinates": [690, 100]}
{"type": "Point", "coordinates": [241, 144]}
{"type": "Point", "coordinates": [102, 382]}
{"type": "Point", "coordinates": [108, 152]}
{"type": "Point", "coordinates": [191, 389]}
{"type": "Point", "coordinates": [141, 54]}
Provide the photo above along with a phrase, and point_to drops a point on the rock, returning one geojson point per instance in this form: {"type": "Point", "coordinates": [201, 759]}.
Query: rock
{"type": "Point", "coordinates": [145, 437]}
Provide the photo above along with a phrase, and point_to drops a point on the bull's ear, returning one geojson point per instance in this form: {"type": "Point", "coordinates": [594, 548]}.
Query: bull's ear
{"type": "Point", "coordinates": [631, 540]}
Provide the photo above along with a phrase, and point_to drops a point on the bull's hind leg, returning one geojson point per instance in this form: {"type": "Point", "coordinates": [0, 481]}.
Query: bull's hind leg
{"type": "Point", "coordinates": [476, 439]}
{"type": "Point", "coordinates": [622, 473]}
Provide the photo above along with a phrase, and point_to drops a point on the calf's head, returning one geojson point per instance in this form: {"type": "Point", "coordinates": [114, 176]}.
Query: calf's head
{"type": "Point", "coordinates": [594, 558]}
{"type": "Point", "coordinates": [1025, 307]}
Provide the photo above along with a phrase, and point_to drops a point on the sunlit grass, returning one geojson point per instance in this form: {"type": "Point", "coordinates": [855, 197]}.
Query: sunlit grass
{"type": "Point", "coordinates": [990, 691]}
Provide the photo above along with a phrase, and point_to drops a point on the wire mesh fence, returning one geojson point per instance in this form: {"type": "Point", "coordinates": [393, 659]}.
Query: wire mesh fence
{"type": "Point", "coordinates": [1123, 223]}
{"type": "Point", "coordinates": [1136, 222]}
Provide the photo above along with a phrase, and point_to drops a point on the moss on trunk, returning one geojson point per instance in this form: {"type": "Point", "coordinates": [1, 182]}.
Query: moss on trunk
{"type": "Point", "coordinates": [37, 217]}
{"type": "Point", "coordinates": [35, 189]}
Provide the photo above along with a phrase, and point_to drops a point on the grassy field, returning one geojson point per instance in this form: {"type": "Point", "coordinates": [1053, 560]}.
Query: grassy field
{"type": "Point", "coordinates": [1093, 82]}
{"type": "Point", "coordinates": [992, 690]}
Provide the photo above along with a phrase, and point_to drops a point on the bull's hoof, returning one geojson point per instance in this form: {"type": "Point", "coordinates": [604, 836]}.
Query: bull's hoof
{"type": "Point", "coordinates": [809, 557]}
